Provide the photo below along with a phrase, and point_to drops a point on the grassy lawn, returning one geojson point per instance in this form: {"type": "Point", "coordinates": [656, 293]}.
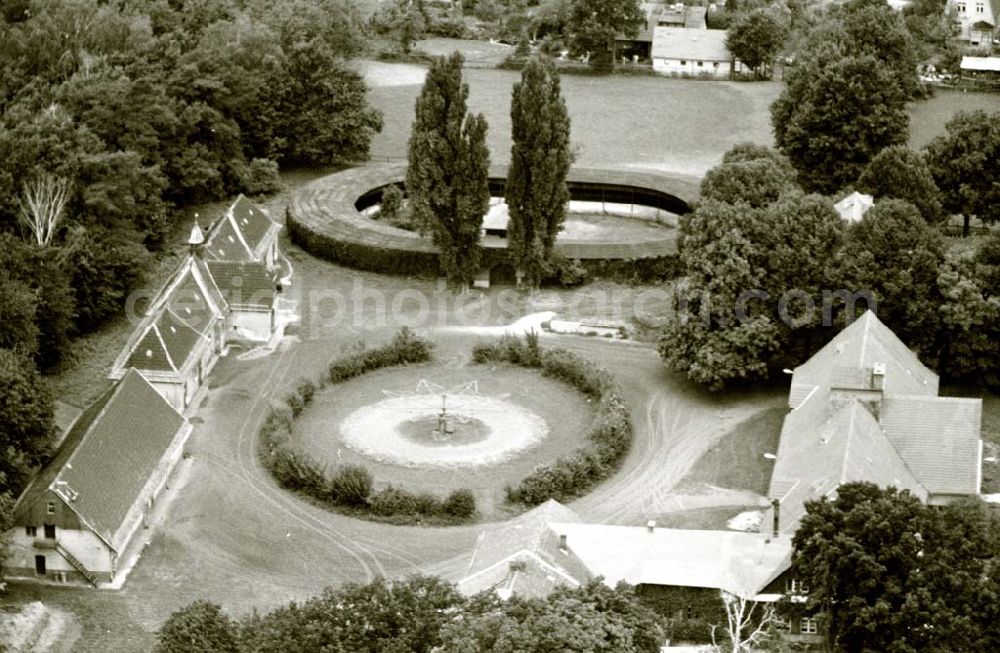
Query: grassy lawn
{"type": "Point", "coordinates": [566, 413]}
{"type": "Point", "coordinates": [737, 461]}
{"type": "Point", "coordinates": [678, 125]}
{"type": "Point", "coordinates": [928, 117]}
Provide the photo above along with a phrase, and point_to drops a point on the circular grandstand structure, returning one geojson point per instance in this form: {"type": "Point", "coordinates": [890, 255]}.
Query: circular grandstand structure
{"type": "Point", "coordinates": [332, 218]}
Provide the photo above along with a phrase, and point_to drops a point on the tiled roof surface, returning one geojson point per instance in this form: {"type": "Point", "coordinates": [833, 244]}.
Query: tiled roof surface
{"type": "Point", "coordinates": [244, 284]}
{"type": "Point", "coordinates": [186, 309]}
{"type": "Point", "coordinates": [240, 231]}
{"type": "Point", "coordinates": [824, 444]}
{"type": "Point", "coordinates": [225, 243]}
{"type": "Point", "coordinates": [110, 455]}
{"type": "Point", "coordinates": [166, 345]}
{"type": "Point", "coordinates": [938, 438]}
{"type": "Point", "coordinates": [532, 545]}
{"type": "Point", "coordinates": [860, 345]}
{"type": "Point", "coordinates": [690, 44]}
{"type": "Point", "coordinates": [252, 220]}
{"type": "Point", "coordinates": [738, 562]}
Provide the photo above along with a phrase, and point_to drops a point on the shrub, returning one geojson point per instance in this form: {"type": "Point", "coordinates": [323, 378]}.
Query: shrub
{"type": "Point", "coordinates": [351, 486]}
{"type": "Point", "coordinates": [568, 272]}
{"type": "Point", "coordinates": [392, 502]}
{"type": "Point", "coordinates": [449, 29]}
{"type": "Point", "coordinates": [262, 178]}
{"type": "Point", "coordinates": [460, 504]}
{"type": "Point", "coordinates": [427, 504]}
{"type": "Point", "coordinates": [609, 434]}
{"type": "Point", "coordinates": [392, 202]}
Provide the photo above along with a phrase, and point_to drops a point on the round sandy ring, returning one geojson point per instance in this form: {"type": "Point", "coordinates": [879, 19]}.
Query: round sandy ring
{"type": "Point", "coordinates": [375, 430]}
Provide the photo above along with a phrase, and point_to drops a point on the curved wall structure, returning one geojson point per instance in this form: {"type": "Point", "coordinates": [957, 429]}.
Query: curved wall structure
{"type": "Point", "coordinates": [325, 218]}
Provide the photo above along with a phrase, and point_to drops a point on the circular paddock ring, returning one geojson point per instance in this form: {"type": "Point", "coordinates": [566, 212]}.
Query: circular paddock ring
{"type": "Point", "coordinates": [325, 218]}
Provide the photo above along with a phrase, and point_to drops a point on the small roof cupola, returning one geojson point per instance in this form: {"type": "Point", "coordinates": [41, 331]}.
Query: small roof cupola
{"type": "Point", "coordinates": [196, 241]}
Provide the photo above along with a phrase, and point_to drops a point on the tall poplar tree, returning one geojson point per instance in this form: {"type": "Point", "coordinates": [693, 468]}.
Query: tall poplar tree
{"type": "Point", "coordinates": [539, 160]}
{"type": "Point", "coordinates": [447, 179]}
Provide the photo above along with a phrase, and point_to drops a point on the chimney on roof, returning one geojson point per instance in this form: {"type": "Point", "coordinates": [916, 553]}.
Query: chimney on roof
{"type": "Point", "coordinates": [878, 376]}
{"type": "Point", "coordinates": [562, 543]}
{"type": "Point", "coordinates": [651, 525]}
{"type": "Point", "coordinates": [196, 241]}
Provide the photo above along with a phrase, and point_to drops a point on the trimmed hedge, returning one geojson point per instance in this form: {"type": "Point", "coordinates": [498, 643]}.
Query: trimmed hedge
{"type": "Point", "coordinates": [362, 256]}
{"type": "Point", "coordinates": [609, 434]}
{"type": "Point", "coordinates": [351, 487]}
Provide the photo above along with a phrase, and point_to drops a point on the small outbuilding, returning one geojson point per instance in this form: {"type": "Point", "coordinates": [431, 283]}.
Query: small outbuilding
{"type": "Point", "coordinates": [692, 52]}
{"type": "Point", "coordinates": [853, 207]}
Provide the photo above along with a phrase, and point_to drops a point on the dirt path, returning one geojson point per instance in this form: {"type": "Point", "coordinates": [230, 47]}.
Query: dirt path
{"type": "Point", "coordinates": [232, 536]}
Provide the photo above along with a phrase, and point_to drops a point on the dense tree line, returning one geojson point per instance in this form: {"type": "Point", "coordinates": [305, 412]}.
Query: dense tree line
{"type": "Point", "coordinates": [115, 115]}
{"type": "Point", "coordinates": [421, 615]}
{"type": "Point", "coordinates": [771, 273]}
{"type": "Point", "coordinates": [888, 573]}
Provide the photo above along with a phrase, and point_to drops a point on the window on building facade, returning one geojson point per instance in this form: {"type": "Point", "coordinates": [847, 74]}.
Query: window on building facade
{"type": "Point", "coordinates": [979, 7]}
{"type": "Point", "coordinates": [683, 63]}
{"type": "Point", "coordinates": [796, 586]}
{"type": "Point", "coordinates": [30, 531]}
{"type": "Point", "coordinates": [701, 63]}
{"type": "Point", "coordinates": [961, 7]}
{"type": "Point", "coordinates": [50, 531]}
{"type": "Point", "coordinates": [809, 626]}
{"type": "Point", "coordinates": [50, 507]}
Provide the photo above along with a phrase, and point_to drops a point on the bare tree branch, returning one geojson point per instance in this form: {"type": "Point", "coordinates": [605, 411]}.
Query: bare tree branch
{"type": "Point", "coordinates": [744, 632]}
{"type": "Point", "coordinates": [43, 204]}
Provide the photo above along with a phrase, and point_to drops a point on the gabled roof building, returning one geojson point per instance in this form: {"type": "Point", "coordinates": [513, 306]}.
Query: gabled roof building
{"type": "Point", "coordinates": [864, 408]}
{"type": "Point", "coordinates": [81, 517]}
{"type": "Point", "coordinates": [245, 232]}
{"type": "Point", "coordinates": [224, 290]}
{"type": "Point", "coordinates": [181, 336]}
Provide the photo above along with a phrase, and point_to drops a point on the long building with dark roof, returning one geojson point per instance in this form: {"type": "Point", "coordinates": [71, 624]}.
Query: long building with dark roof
{"type": "Point", "coordinates": [82, 516]}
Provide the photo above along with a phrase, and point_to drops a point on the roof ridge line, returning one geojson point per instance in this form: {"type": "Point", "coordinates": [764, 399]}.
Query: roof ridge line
{"type": "Point", "coordinates": [239, 231]}
{"type": "Point", "coordinates": [177, 317]}
{"type": "Point", "coordinates": [163, 344]}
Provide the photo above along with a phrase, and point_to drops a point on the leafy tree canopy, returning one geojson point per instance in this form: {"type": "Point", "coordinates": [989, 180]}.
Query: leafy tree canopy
{"type": "Point", "coordinates": [888, 573]}
{"type": "Point", "coordinates": [756, 38]}
{"type": "Point", "coordinates": [965, 163]}
{"type": "Point", "coordinates": [594, 24]}
{"type": "Point", "coordinates": [733, 319]}
{"type": "Point", "coordinates": [200, 627]}
{"type": "Point", "coordinates": [835, 115]}
{"type": "Point", "coordinates": [536, 191]}
{"type": "Point", "coordinates": [893, 253]}
{"type": "Point", "coordinates": [447, 179]}
{"type": "Point", "coordinates": [26, 419]}
{"type": "Point", "coordinates": [899, 172]}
